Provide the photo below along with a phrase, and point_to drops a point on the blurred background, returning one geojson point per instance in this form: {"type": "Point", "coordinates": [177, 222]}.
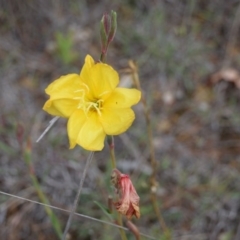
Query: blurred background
{"type": "Point", "coordinates": [188, 56]}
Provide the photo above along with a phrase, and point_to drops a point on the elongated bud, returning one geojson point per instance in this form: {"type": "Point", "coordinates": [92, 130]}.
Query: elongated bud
{"type": "Point", "coordinates": [113, 26]}
{"type": "Point", "coordinates": [108, 28]}
{"type": "Point", "coordinates": [106, 23]}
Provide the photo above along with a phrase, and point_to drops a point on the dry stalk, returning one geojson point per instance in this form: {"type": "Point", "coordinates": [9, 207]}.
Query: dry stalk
{"type": "Point", "coordinates": [153, 182]}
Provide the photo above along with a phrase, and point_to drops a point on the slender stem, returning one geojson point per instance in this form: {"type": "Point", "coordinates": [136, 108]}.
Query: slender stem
{"type": "Point", "coordinates": [113, 160]}
{"type": "Point", "coordinates": [103, 57]}
{"type": "Point", "coordinates": [153, 161]}
{"type": "Point", "coordinates": [89, 159]}
{"type": "Point", "coordinates": [112, 152]}
{"type": "Point", "coordinates": [122, 232]}
{"type": "Point", "coordinates": [159, 216]}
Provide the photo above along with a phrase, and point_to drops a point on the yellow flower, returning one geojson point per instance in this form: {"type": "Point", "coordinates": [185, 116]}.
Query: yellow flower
{"type": "Point", "coordinates": [93, 103]}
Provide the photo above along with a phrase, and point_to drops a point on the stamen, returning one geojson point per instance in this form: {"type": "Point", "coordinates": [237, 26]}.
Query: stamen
{"type": "Point", "coordinates": [85, 85]}
{"type": "Point", "coordinates": [100, 102]}
{"type": "Point", "coordinates": [98, 111]}
{"type": "Point", "coordinates": [86, 105]}
{"type": "Point", "coordinates": [90, 106]}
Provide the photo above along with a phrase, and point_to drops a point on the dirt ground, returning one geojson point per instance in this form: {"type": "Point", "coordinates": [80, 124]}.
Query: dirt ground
{"type": "Point", "coordinates": [188, 56]}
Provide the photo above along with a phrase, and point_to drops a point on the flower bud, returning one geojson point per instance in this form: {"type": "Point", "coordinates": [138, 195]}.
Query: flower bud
{"type": "Point", "coordinates": [113, 26]}
{"type": "Point", "coordinates": [104, 29]}
{"type": "Point", "coordinates": [108, 28]}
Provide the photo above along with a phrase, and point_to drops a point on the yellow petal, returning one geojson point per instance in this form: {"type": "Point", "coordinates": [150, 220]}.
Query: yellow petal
{"type": "Point", "coordinates": [49, 108]}
{"type": "Point", "coordinates": [64, 87]}
{"type": "Point", "coordinates": [75, 123]}
{"type": "Point", "coordinates": [89, 63]}
{"type": "Point", "coordinates": [86, 131]}
{"type": "Point", "coordinates": [116, 121]}
{"type": "Point", "coordinates": [122, 98]}
{"type": "Point", "coordinates": [100, 78]}
{"type": "Point", "coordinates": [92, 135]}
{"type": "Point", "coordinates": [85, 73]}
{"type": "Point", "coordinates": [60, 107]}
{"type": "Point", "coordinates": [104, 80]}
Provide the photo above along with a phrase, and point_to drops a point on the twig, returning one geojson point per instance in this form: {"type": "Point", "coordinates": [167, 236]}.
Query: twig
{"type": "Point", "coordinates": [90, 157]}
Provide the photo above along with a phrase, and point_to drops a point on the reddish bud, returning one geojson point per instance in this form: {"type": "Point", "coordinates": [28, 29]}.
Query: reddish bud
{"type": "Point", "coordinates": [128, 204]}
{"type": "Point", "coordinates": [106, 23]}
{"type": "Point", "coordinates": [104, 30]}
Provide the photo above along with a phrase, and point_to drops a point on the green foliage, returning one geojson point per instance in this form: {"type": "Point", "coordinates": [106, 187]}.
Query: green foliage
{"type": "Point", "coordinates": [65, 48]}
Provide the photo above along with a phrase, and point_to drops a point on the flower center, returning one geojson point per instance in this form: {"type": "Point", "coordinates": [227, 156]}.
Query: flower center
{"type": "Point", "coordinates": [94, 106]}
{"type": "Point", "coordinates": [88, 105]}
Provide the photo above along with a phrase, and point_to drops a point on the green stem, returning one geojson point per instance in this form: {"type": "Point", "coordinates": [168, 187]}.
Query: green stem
{"type": "Point", "coordinates": [112, 152]}
{"type": "Point", "coordinates": [113, 160]}
{"type": "Point", "coordinates": [103, 57]}
{"type": "Point", "coordinates": [122, 232]}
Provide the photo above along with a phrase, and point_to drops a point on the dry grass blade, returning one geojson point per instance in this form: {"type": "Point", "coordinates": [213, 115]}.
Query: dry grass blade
{"type": "Point", "coordinates": [51, 123]}
{"type": "Point", "coordinates": [77, 214]}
